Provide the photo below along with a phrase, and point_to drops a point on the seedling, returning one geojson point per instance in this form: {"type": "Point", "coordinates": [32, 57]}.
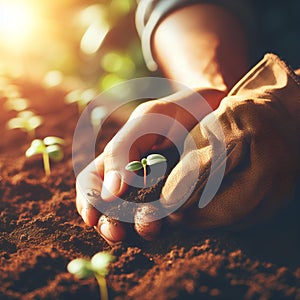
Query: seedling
{"type": "Point", "coordinates": [17, 104]}
{"type": "Point", "coordinates": [26, 121]}
{"type": "Point", "coordinates": [150, 160]}
{"type": "Point", "coordinates": [50, 148]}
{"type": "Point", "coordinates": [82, 98]}
{"type": "Point", "coordinates": [97, 266]}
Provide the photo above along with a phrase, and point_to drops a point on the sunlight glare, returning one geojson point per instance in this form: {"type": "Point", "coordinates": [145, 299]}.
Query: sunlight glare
{"type": "Point", "coordinates": [16, 22]}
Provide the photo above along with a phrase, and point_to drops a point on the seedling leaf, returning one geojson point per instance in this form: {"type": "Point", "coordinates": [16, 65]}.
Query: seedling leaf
{"type": "Point", "coordinates": [53, 140]}
{"type": "Point", "coordinates": [15, 123]}
{"type": "Point", "coordinates": [17, 104]}
{"type": "Point", "coordinates": [37, 147]}
{"type": "Point", "coordinates": [153, 159]}
{"type": "Point", "coordinates": [100, 261]}
{"type": "Point", "coordinates": [134, 166]}
{"type": "Point", "coordinates": [81, 268]}
{"type": "Point", "coordinates": [55, 152]}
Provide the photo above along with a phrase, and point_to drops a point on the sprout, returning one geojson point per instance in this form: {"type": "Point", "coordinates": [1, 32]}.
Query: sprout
{"type": "Point", "coordinates": [97, 266]}
{"type": "Point", "coordinates": [50, 148]}
{"type": "Point", "coordinates": [151, 159]}
{"type": "Point", "coordinates": [26, 121]}
{"type": "Point", "coordinates": [97, 116]}
{"type": "Point", "coordinates": [82, 98]}
{"type": "Point", "coordinates": [17, 104]}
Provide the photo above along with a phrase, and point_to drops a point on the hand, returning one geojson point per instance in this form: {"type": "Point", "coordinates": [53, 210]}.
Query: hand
{"type": "Point", "coordinates": [158, 116]}
{"type": "Point", "coordinates": [260, 120]}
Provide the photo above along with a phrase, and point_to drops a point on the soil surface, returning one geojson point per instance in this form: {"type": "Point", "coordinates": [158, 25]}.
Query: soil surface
{"type": "Point", "coordinates": [40, 232]}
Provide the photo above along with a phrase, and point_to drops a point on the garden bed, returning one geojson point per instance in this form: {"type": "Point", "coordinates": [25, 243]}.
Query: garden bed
{"type": "Point", "coordinates": [40, 232]}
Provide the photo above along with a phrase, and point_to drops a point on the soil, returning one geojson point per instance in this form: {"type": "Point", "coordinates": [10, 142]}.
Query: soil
{"type": "Point", "coordinates": [40, 232]}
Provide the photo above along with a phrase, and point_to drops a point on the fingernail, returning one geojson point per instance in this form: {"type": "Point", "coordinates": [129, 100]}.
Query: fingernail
{"type": "Point", "coordinates": [105, 230]}
{"type": "Point", "coordinates": [111, 230]}
{"type": "Point", "coordinates": [111, 185]}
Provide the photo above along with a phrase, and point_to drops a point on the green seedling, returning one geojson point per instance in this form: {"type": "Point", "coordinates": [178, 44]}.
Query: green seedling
{"type": "Point", "coordinates": [82, 98]}
{"type": "Point", "coordinates": [97, 266]}
{"type": "Point", "coordinates": [26, 121]}
{"type": "Point", "coordinates": [50, 148]}
{"type": "Point", "coordinates": [150, 160]}
{"type": "Point", "coordinates": [17, 104]}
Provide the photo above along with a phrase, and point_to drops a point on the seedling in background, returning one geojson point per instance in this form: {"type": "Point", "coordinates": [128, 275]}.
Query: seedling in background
{"type": "Point", "coordinates": [97, 266]}
{"type": "Point", "coordinates": [150, 160]}
{"type": "Point", "coordinates": [50, 148]}
{"type": "Point", "coordinates": [26, 121]}
{"type": "Point", "coordinates": [82, 98]}
{"type": "Point", "coordinates": [17, 104]}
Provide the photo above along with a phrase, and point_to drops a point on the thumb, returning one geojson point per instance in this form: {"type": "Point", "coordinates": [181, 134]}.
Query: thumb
{"type": "Point", "coordinates": [128, 144]}
{"type": "Point", "coordinates": [182, 181]}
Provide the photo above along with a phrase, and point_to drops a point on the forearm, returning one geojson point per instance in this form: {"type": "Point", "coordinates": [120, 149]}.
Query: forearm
{"type": "Point", "coordinates": [202, 46]}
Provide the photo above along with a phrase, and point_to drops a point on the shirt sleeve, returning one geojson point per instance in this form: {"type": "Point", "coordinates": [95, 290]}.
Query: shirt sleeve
{"type": "Point", "coordinates": [150, 12]}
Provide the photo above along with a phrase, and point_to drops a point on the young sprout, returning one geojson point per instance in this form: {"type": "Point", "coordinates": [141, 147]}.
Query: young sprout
{"type": "Point", "coordinates": [150, 160]}
{"type": "Point", "coordinates": [50, 148]}
{"type": "Point", "coordinates": [26, 121]}
{"type": "Point", "coordinates": [17, 104]}
{"type": "Point", "coordinates": [97, 116]}
{"type": "Point", "coordinates": [97, 266]}
{"type": "Point", "coordinates": [82, 98]}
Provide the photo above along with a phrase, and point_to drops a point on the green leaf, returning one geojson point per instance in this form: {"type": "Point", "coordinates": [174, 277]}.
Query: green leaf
{"type": "Point", "coordinates": [153, 159]}
{"type": "Point", "coordinates": [134, 166]}
{"type": "Point", "coordinates": [53, 140]}
{"type": "Point", "coordinates": [100, 261]}
{"type": "Point", "coordinates": [17, 104]}
{"type": "Point", "coordinates": [55, 152]}
{"type": "Point", "coordinates": [37, 147]}
{"type": "Point", "coordinates": [15, 123]}
{"type": "Point", "coordinates": [25, 120]}
{"type": "Point", "coordinates": [26, 114]}
{"type": "Point", "coordinates": [34, 122]}
{"type": "Point", "coordinates": [81, 268]}
{"type": "Point", "coordinates": [73, 96]}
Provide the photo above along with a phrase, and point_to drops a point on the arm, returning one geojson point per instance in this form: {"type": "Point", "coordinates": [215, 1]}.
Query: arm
{"type": "Point", "coordinates": [202, 46]}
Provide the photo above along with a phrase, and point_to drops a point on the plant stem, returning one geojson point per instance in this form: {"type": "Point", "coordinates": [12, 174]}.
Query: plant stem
{"type": "Point", "coordinates": [31, 134]}
{"type": "Point", "coordinates": [102, 287]}
{"type": "Point", "coordinates": [145, 175]}
{"type": "Point", "coordinates": [46, 163]}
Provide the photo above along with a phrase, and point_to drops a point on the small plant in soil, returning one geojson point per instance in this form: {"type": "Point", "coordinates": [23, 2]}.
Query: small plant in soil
{"type": "Point", "coordinates": [50, 148]}
{"type": "Point", "coordinates": [97, 266]}
{"type": "Point", "coordinates": [26, 121]}
{"type": "Point", "coordinates": [17, 104]}
{"type": "Point", "coordinates": [150, 160]}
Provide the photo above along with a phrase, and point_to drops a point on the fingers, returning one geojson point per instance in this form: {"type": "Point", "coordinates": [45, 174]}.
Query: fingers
{"type": "Point", "coordinates": [88, 186]}
{"type": "Point", "coordinates": [146, 223]}
{"type": "Point", "coordinates": [141, 133]}
{"type": "Point", "coordinates": [111, 230]}
{"type": "Point", "coordinates": [182, 180]}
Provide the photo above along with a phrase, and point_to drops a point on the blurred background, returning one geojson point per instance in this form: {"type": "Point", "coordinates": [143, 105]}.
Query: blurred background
{"type": "Point", "coordinates": [94, 44]}
{"type": "Point", "coordinates": [74, 43]}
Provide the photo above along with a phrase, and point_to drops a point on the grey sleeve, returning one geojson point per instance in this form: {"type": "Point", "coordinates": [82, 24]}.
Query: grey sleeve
{"type": "Point", "coordinates": [150, 12]}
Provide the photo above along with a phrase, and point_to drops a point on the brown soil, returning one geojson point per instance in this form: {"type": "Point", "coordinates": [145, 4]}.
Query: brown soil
{"type": "Point", "coordinates": [40, 232]}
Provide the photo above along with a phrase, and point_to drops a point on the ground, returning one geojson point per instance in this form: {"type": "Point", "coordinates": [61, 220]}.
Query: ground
{"type": "Point", "coordinates": [40, 232]}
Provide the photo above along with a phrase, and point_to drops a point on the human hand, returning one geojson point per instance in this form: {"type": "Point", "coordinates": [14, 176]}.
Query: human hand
{"type": "Point", "coordinates": [153, 126]}
{"type": "Point", "coordinates": [260, 120]}
{"type": "Point", "coordinates": [260, 123]}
